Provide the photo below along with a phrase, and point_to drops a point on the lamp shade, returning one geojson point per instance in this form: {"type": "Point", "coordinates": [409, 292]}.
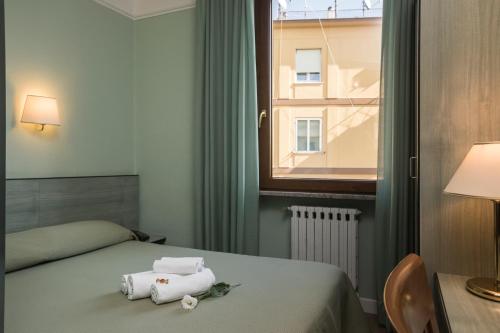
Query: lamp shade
{"type": "Point", "coordinates": [40, 110]}
{"type": "Point", "coordinates": [479, 174]}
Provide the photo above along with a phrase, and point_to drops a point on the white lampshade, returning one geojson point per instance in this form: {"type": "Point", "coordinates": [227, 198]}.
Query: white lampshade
{"type": "Point", "coordinates": [40, 110]}
{"type": "Point", "coordinates": [479, 174]}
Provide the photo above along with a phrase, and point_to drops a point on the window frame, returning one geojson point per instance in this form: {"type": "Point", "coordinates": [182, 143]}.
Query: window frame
{"type": "Point", "coordinates": [263, 37]}
{"type": "Point", "coordinates": [308, 135]}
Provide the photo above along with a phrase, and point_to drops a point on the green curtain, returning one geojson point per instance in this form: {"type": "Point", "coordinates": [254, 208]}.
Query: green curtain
{"type": "Point", "coordinates": [227, 181]}
{"type": "Point", "coordinates": [396, 211]}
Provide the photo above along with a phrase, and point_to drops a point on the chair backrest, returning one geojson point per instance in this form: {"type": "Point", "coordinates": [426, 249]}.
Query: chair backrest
{"type": "Point", "coordinates": [408, 298]}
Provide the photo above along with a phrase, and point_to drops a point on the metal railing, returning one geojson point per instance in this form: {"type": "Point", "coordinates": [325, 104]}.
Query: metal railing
{"type": "Point", "coordinates": [327, 14]}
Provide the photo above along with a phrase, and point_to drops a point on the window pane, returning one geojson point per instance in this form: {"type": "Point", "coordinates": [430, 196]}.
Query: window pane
{"type": "Point", "coordinates": [301, 135]}
{"type": "Point", "coordinates": [314, 77]}
{"type": "Point", "coordinates": [314, 135]}
{"type": "Point", "coordinates": [301, 76]}
{"type": "Point", "coordinates": [329, 129]}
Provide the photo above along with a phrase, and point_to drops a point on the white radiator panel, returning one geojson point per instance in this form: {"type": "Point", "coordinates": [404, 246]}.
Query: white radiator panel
{"type": "Point", "coordinates": [328, 235]}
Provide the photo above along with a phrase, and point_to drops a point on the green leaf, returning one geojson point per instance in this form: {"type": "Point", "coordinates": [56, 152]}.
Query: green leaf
{"type": "Point", "coordinates": [217, 290]}
{"type": "Point", "coordinates": [220, 289]}
{"type": "Point", "coordinates": [204, 295]}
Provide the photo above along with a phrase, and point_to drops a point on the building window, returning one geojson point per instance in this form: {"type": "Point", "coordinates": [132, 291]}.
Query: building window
{"type": "Point", "coordinates": [308, 65]}
{"type": "Point", "coordinates": [308, 135]}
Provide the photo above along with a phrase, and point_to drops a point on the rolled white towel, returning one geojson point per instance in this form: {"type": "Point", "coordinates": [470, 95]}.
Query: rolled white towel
{"type": "Point", "coordinates": [124, 284]}
{"type": "Point", "coordinates": [188, 265]}
{"type": "Point", "coordinates": [139, 284]}
{"type": "Point", "coordinates": [194, 284]}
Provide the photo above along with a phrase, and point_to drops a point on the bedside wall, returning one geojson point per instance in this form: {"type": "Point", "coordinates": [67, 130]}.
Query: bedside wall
{"type": "Point", "coordinates": [81, 53]}
{"type": "Point", "coordinates": [165, 113]}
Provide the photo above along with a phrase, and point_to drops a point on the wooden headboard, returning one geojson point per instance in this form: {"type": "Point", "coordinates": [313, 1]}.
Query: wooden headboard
{"type": "Point", "coordinates": [39, 202]}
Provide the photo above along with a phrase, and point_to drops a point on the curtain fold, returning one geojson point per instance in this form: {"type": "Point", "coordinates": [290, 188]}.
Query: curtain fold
{"type": "Point", "coordinates": [227, 144]}
{"type": "Point", "coordinates": [396, 210]}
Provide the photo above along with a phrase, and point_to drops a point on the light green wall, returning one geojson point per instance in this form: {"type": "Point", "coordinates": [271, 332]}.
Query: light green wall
{"type": "Point", "coordinates": [164, 88]}
{"type": "Point", "coordinates": [82, 54]}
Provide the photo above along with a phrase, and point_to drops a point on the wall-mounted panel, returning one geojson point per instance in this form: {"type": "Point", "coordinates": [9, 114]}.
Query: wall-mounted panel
{"type": "Point", "coordinates": [460, 105]}
{"type": "Point", "coordinates": [32, 203]}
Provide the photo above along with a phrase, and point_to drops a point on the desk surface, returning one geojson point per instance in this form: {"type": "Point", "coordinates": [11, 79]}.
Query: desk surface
{"type": "Point", "coordinates": [464, 311]}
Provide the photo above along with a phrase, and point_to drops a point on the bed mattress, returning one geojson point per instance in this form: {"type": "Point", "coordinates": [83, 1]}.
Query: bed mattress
{"type": "Point", "coordinates": [81, 294]}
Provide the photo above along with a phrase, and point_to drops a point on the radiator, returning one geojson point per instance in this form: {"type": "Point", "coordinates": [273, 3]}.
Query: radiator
{"type": "Point", "coordinates": [328, 235]}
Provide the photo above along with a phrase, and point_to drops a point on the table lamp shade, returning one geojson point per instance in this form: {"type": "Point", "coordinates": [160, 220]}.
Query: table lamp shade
{"type": "Point", "coordinates": [40, 110]}
{"type": "Point", "coordinates": [479, 174]}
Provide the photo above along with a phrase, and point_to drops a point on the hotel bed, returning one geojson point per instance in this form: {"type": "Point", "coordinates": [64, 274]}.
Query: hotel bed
{"type": "Point", "coordinates": [66, 278]}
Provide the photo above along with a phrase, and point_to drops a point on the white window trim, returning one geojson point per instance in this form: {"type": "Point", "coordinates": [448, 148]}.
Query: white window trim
{"type": "Point", "coordinates": [308, 83]}
{"type": "Point", "coordinates": [320, 150]}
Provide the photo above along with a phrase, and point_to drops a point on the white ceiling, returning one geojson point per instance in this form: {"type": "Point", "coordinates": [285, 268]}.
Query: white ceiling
{"type": "Point", "coordinates": [139, 9]}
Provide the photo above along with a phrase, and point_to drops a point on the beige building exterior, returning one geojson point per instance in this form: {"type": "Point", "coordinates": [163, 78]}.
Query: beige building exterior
{"type": "Point", "coordinates": [326, 78]}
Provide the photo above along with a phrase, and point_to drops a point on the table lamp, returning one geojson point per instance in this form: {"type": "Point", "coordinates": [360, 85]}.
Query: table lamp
{"type": "Point", "coordinates": [479, 177]}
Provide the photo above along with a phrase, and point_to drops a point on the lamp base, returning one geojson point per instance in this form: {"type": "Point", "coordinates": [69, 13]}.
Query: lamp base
{"type": "Point", "coordinates": [485, 287]}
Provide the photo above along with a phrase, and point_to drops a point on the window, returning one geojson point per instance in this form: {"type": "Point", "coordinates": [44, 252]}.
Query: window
{"type": "Point", "coordinates": [308, 135]}
{"type": "Point", "coordinates": [308, 65]}
{"type": "Point", "coordinates": [318, 76]}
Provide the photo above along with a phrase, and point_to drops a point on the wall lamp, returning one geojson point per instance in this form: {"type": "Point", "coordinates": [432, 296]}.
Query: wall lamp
{"type": "Point", "coordinates": [40, 110]}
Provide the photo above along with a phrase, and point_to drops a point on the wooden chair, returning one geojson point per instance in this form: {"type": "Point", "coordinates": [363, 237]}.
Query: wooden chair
{"type": "Point", "coordinates": [408, 298]}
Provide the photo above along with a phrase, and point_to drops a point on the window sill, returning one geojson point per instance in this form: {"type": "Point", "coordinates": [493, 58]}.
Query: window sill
{"type": "Point", "coordinates": [305, 83]}
{"type": "Point", "coordinates": [339, 196]}
{"type": "Point", "coordinates": [298, 152]}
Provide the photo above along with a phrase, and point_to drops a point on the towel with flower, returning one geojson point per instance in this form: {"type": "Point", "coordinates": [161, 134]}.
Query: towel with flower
{"type": "Point", "coordinates": [173, 279]}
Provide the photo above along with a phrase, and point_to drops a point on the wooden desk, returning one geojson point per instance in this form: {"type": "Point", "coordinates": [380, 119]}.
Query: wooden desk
{"type": "Point", "coordinates": [463, 311]}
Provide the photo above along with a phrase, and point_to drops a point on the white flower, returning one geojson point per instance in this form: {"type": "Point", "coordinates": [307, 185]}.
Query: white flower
{"type": "Point", "coordinates": [189, 303]}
